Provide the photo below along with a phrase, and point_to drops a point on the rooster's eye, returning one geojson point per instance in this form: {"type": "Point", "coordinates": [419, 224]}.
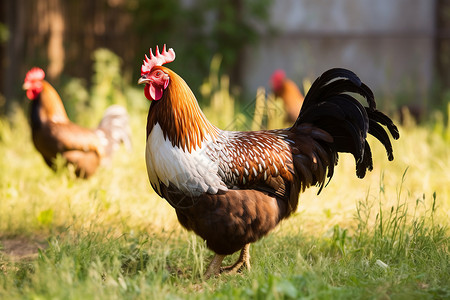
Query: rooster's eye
{"type": "Point", "coordinates": [158, 73]}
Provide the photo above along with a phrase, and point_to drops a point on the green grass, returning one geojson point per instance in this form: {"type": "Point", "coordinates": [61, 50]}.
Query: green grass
{"type": "Point", "coordinates": [112, 237]}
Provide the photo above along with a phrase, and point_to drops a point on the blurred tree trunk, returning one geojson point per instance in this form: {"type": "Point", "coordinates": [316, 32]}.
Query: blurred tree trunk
{"type": "Point", "coordinates": [442, 44]}
{"type": "Point", "coordinates": [55, 48]}
{"type": "Point", "coordinates": [14, 48]}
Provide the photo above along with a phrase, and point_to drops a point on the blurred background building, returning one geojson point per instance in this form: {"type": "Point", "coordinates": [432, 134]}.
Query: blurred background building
{"type": "Point", "coordinates": [401, 48]}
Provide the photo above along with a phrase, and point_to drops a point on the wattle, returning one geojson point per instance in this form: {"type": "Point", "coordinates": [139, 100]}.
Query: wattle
{"type": "Point", "coordinates": [153, 92]}
{"type": "Point", "coordinates": [33, 93]}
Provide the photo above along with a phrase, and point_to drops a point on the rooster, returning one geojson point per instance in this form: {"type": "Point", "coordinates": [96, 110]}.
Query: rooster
{"type": "Point", "coordinates": [231, 188]}
{"type": "Point", "coordinates": [289, 92]}
{"type": "Point", "coordinates": [53, 133]}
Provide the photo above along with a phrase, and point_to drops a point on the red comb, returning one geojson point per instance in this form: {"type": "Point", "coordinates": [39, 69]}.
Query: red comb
{"type": "Point", "coordinates": [157, 60]}
{"type": "Point", "coordinates": [35, 74]}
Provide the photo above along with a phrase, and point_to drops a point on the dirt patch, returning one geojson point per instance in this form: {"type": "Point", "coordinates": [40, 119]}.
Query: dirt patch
{"type": "Point", "coordinates": [19, 248]}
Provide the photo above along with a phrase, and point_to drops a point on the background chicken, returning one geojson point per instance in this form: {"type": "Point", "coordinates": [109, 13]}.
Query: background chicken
{"type": "Point", "coordinates": [53, 132]}
{"type": "Point", "coordinates": [231, 188]}
{"type": "Point", "coordinates": [289, 92]}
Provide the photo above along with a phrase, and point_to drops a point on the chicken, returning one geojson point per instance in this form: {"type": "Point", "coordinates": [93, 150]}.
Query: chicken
{"type": "Point", "coordinates": [231, 188]}
{"type": "Point", "coordinates": [53, 133]}
{"type": "Point", "coordinates": [289, 92]}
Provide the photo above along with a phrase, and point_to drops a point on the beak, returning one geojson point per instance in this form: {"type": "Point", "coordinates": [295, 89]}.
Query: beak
{"type": "Point", "coordinates": [26, 86]}
{"type": "Point", "coordinates": [143, 79]}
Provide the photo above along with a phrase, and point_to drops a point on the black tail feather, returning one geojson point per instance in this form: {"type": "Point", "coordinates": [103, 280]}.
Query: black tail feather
{"type": "Point", "coordinates": [381, 118]}
{"type": "Point", "coordinates": [378, 131]}
{"type": "Point", "coordinates": [341, 75]}
{"type": "Point", "coordinates": [340, 86]}
{"type": "Point", "coordinates": [366, 163]}
{"type": "Point", "coordinates": [329, 106]}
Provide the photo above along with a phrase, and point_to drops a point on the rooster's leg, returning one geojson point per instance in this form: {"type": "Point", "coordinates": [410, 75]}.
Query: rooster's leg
{"type": "Point", "coordinates": [214, 267]}
{"type": "Point", "coordinates": [243, 261]}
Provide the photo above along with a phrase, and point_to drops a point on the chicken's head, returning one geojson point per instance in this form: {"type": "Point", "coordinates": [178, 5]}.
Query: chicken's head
{"type": "Point", "coordinates": [154, 77]}
{"type": "Point", "coordinates": [277, 80]}
{"type": "Point", "coordinates": [33, 82]}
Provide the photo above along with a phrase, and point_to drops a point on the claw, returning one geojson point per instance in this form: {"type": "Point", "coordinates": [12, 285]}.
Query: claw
{"type": "Point", "coordinates": [243, 261]}
{"type": "Point", "coordinates": [214, 268]}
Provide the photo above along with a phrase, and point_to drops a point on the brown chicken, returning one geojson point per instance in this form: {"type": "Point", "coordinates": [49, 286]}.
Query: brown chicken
{"type": "Point", "coordinates": [289, 92]}
{"type": "Point", "coordinates": [53, 133]}
{"type": "Point", "coordinates": [232, 188]}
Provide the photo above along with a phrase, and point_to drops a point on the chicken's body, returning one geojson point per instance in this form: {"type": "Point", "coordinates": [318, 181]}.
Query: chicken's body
{"type": "Point", "coordinates": [53, 133]}
{"type": "Point", "coordinates": [231, 191]}
{"type": "Point", "coordinates": [231, 188]}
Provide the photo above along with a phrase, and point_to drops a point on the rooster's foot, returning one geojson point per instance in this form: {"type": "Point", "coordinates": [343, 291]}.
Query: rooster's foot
{"type": "Point", "coordinates": [243, 261]}
{"type": "Point", "coordinates": [214, 267]}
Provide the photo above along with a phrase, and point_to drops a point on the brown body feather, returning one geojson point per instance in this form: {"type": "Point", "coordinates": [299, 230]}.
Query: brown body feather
{"type": "Point", "coordinates": [229, 220]}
